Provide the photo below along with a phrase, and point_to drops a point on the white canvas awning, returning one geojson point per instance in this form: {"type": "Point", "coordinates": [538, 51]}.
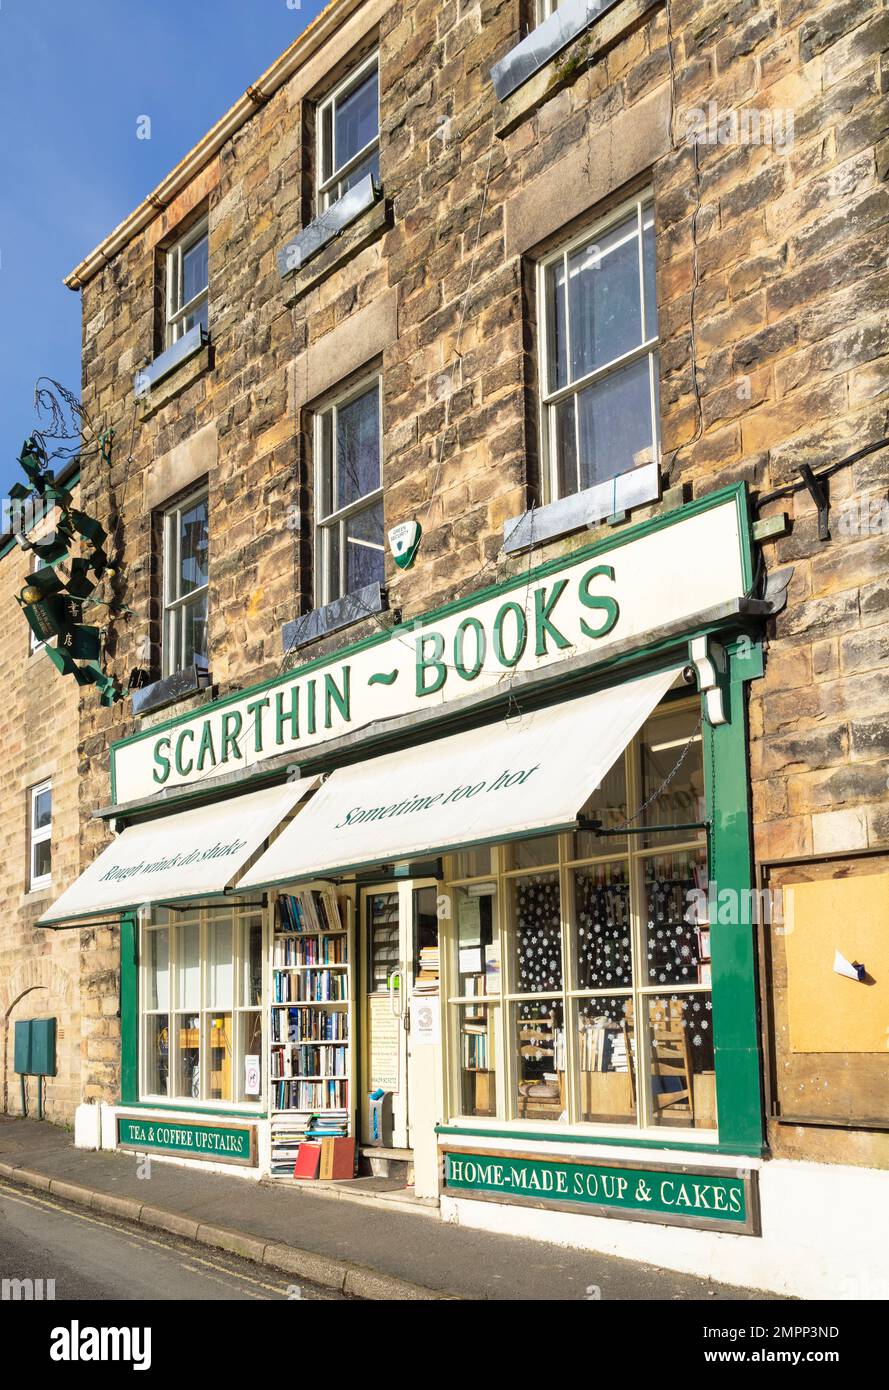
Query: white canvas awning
{"type": "Point", "coordinates": [526, 776]}
{"type": "Point", "coordinates": [193, 854]}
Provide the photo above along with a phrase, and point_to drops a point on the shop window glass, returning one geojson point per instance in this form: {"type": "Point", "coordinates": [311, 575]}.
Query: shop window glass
{"type": "Point", "coordinates": [251, 962]}
{"type": "Point", "coordinates": [541, 1060]}
{"type": "Point", "coordinates": [607, 806]}
{"type": "Point", "coordinates": [603, 927]}
{"type": "Point", "coordinates": [605, 931]}
{"type": "Point", "coordinates": [188, 965]}
{"type": "Point", "coordinates": [158, 980]}
{"type": "Point", "coordinates": [604, 1047]}
{"type": "Point", "coordinates": [536, 853]}
{"type": "Point", "coordinates": [202, 992]}
{"type": "Point", "coordinates": [478, 1059]}
{"type": "Point", "coordinates": [472, 863]}
{"type": "Point", "coordinates": [682, 1077]}
{"type": "Point", "coordinates": [188, 1070]}
{"type": "Point", "coordinates": [382, 936]}
{"type": "Point", "coordinates": [250, 1045]}
{"type": "Point", "coordinates": [677, 944]}
{"type": "Point", "coordinates": [220, 963]}
{"type": "Point", "coordinates": [220, 1055]}
{"type": "Point", "coordinates": [157, 1048]}
{"type": "Point", "coordinates": [425, 923]}
{"type": "Point", "coordinates": [537, 932]}
{"type": "Point", "coordinates": [478, 956]}
{"type": "Point", "coordinates": [668, 740]}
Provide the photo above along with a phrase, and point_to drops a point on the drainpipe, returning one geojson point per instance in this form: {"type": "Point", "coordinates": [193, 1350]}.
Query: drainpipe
{"type": "Point", "coordinates": [6, 1043]}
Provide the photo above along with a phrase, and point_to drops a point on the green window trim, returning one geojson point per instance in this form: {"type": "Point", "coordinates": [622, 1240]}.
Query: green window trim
{"type": "Point", "coordinates": [161, 1106]}
{"type": "Point", "coordinates": [614, 1141]}
{"type": "Point", "coordinates": [733, 947]}
{"type": "Point", "coordinates": [129, 1009]}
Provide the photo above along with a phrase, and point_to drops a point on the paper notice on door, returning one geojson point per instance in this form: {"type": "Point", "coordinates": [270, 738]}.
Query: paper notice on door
{"type": "Point", "coordinates": [425, 1021]}
{"type": "Point", "coordinates": [252, 1076]}
{"type": "Point", "coordinates": [470, 960]}
{"type": "Point", "coordinates": [383, 1038]}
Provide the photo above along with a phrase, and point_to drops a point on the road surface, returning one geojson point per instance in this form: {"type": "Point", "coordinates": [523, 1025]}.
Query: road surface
{"type": "Point", "coordinates": [95, 1257]}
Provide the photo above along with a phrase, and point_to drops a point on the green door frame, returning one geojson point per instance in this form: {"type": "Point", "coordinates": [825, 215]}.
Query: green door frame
{"type": "Point", "coordinates": [129, 1009]}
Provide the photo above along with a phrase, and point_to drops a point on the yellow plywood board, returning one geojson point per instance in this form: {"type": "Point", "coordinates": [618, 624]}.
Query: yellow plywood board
{"type": "Point", "coordinates": [828, 1012]}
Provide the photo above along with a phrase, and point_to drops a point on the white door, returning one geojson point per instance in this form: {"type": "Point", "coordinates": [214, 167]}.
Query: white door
{"type": "Point", "coordinates": [399, 943]}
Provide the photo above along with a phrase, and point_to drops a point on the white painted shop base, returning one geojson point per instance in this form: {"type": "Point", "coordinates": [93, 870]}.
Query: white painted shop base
{"type": "Point", "coordinates": [825, 1227]}
{"type": "Point", "coordinates": [825, 1234]}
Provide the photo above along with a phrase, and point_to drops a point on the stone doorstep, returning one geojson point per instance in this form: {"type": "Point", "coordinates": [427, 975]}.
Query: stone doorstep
{"type": "Point", "coordinates": [328, 1271]}
{"type": "Point", "coordinates": [399, 1200]}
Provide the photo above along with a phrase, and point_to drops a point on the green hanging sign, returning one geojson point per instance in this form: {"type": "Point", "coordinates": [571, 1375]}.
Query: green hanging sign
{"type": "Point", "coordinates": [52, 603]}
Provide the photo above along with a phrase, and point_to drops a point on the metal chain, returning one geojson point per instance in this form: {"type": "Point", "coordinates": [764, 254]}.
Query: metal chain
{"type": "Point", "coordinates": [666, 782]}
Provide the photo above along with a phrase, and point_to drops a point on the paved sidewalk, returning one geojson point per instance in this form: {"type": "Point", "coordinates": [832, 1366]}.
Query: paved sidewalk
{"type": "Point", "coordinates": [362, 1249]}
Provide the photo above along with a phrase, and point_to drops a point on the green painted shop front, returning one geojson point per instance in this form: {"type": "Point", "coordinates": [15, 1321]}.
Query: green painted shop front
{"type": "Point", "coordinates": [609, 632]}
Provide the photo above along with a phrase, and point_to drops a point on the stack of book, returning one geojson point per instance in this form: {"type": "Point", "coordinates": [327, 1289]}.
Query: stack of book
{"type": "Point", "coordinates": [602, 1045]}
{"type": "Point", "coordinates": [314, 910]}
{"type": "Point", "coordinates": [427, 976]}
{"type": "Point", "coordinates": [287, 1135]}
{"type": "Point", "coordinates": [475, 1044]}
{"type": "Point", "coordinates": [331, 1124]}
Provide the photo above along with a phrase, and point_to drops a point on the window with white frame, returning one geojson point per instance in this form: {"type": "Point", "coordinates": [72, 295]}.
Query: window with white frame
{"type": "Point", "coordinates": [349, 541]}
{"type": "Point", "coordinates": [598, 353]}
{"type": "Point", "coordinates": [348, 133]}
{"type": "Point", "coordinates": [188, 281]}
{"type": "Point", "coordinates": [186, 547]}
{"type": "Point", "coordinates": [579, 975]}
{"type": "Point", "coordinates": [545, 8]}
{"type": "Point", "coordinates": [40, 836]}
{"type": "Point", "coordinates": [35, 642]}
{"type": "Point", "coordinates": [201, 993]}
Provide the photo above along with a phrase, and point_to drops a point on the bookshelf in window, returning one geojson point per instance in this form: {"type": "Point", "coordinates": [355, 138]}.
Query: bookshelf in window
{"type": "Point", "coordinates": [311, 1058]}
{"type": "Point", "coordinates": [478, 1050]}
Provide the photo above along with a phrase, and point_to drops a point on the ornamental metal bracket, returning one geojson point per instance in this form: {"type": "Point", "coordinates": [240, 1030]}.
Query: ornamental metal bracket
{"type": "Point", "coordinates": [707, 659]}
{"type": "Point", "coordinates": [817, 488]}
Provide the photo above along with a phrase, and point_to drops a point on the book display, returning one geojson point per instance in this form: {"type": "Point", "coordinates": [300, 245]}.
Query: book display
{"type": "Point", "coordinates": [311, 1027]}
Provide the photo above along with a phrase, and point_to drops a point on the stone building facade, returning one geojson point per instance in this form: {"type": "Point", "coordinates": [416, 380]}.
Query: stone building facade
{"type": "Point", "coordinates": [759, 131]}
{"type": "Point", "coordinates": [43, 973]}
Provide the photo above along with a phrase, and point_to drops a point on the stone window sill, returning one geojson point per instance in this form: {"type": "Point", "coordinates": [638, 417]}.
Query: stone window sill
{"type": "Point", "coordinates": [175, 383]}
{"type": "Point", "coordinates": [333, 617]}
{"type": "Point", "coordinates": [589, 42]}
{"type": "Point", "coordinates": [182, 685]}
{"type": "Point", "coordinates": [606, 502]}
{"type": "Point", "coordinates": [366, 228]}
{"type": "Point", "coordinates": [37, 895]}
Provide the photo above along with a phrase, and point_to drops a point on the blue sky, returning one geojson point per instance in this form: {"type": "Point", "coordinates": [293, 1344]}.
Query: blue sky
{"type": "Point", "coordinates": [75, 76]}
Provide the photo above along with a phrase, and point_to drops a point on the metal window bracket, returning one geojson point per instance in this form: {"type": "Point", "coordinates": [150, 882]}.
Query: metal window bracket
{"type": "Point", "coordinates": [595, 827]}
{"type": "Point", "coordinates": [818, 491]}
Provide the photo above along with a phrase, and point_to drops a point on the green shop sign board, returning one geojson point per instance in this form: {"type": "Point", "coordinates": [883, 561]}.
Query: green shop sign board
{"type": "Point", "coordinates": [185, 1138]}
{"type": "Point", "coordinates": [606, 597]}
{"type": "Point", "coordinates": [711, 1199]}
